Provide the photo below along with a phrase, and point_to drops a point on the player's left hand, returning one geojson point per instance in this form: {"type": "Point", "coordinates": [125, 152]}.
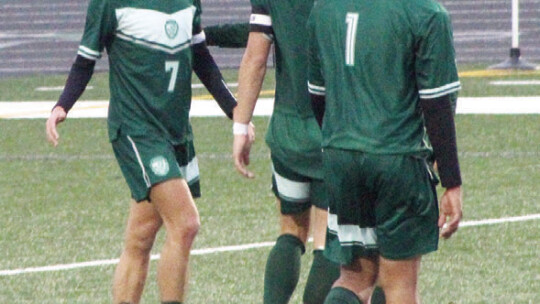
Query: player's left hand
{"type": "Point", "coordinates": [451, 211]}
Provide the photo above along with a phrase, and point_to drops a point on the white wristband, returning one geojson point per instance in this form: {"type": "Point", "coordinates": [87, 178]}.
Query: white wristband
{"type": "Point", "coordinates": [240, 128]}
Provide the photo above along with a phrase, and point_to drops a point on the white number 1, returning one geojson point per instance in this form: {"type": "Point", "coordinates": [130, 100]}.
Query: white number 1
{"type": "Point", "coordinates": [172, 66]}
{"type": "Point", "coordinates": [352, 24]}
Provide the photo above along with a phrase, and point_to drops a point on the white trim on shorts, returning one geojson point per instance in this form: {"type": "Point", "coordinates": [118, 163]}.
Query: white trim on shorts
{"type": "Point", "coordinates": [191, 171]}
{"type": "Point", "coordinates": [298, 192]}
{"type": "Point", "coordinates": [145, 175]}
{"type": "Point", "coordinates": [350, 235]}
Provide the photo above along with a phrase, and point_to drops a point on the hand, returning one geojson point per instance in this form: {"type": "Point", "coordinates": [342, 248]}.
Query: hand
{"type": "Point", "coordinates": [58, 115]}
{"type": "Point", "coordinates": [251, 133]}
{"type": "Point", "coordinates": [451, 211]}
{"type": "Point", "coordinates": [241, 149]}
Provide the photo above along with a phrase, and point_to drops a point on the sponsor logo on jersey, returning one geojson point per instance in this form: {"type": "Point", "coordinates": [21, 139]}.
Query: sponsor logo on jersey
{"type": "Point", "coordinates": [159, 165]}
{"type": "Point", "coordinates": [171, 28]}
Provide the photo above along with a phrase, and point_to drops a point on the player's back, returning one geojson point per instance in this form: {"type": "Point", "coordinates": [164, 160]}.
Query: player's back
{"type": "Point", "coordinates": [369, 60]}
{"type": "Point", "coordinates": [289, 18]}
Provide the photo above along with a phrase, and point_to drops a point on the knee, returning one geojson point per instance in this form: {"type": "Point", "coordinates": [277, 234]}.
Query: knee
{"type": "Point", "coordinates": [140, 238]}
{"type": "Point", "coordinates": [186, 230]}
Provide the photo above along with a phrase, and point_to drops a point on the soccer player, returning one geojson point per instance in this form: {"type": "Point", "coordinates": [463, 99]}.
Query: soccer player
{"type": "Point", "coordinates": [294, 139]}
{"type": "Point", "coordinates": [153, 46]}
{"type": "Point", "coordinates": [380, 74]}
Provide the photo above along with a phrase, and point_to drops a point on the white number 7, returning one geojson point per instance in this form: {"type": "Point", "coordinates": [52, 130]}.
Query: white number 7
{"type": "Point", "coordinates": [172, 66]}
{"type": "Point", "coordinates": [352, 24]}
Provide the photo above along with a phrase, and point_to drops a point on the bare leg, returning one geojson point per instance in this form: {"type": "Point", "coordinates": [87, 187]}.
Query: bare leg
{"type": "Point", "coordinates": [295, 224]}
{"type": "Point", "coordinates": [319, 221]}
{"type": "Point", "coordinates": [176, 207]}
{"type": "Point", "coordinates": [359, 277]}
{"type": "Point", "coordinates": [399, 280]}
{"type": "Point", "coordinates": [130, 275]}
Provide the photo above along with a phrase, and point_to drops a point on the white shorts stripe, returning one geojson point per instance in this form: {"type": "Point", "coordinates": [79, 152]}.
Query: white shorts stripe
{"type": "Point", "coordinates": [295, 191]}
{"type": "Point", "coordinates": [191, 170]}
{"type": "Point", "coordinates": [351, 234]}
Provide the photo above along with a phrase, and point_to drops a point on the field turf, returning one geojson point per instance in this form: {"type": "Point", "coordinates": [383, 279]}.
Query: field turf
{"type": "Point", "coordinates": [69, 204]}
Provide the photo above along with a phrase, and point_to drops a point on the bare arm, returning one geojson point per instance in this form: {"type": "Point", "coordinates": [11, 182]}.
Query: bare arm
{"type": "Point", "coordinates": [250, 79]}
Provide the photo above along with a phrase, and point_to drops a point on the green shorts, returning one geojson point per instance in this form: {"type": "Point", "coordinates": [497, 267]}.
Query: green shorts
{"type": "Point", "coordinates": [148, 160]}
{"type": "Point", "coordinates": [379, 205]}
{"type": "Point", "coordinates": [296, 192]}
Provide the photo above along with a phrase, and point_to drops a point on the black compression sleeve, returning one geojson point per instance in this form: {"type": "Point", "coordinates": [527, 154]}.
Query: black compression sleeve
{"type": "Point", "coordinates": [208, 72]}
{"type": "Point", "coordinates": [79, 76]}
{"type": "Point", "coordinates": [439, 121]}
{"type": "Point", "coordinates": [318, 104]}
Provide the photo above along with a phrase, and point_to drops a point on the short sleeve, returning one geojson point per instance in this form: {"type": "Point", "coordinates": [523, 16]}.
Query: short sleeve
{"type": "Point", "coordinates": [260, 19]}
{"type": "Point", "coordinates": [98, 30]}
{"type": "Point", "coordinates": [316, 83]}
{"type": "Point", "coordinates": [436, 70]}
{"type": "Point", "coordinates": [197, 27]}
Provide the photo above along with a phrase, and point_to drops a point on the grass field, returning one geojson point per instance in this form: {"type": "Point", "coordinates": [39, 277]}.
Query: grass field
{"type": "Point", "coordinates": [68, 205]}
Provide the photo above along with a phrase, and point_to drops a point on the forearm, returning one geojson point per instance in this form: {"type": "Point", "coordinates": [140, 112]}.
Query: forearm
{"type": "Point", "coordinates": [250, 80]}
{"type": "Point", "coordinates": [439, 121]}
{"type": "Point", "coordinates": [79, 76]}
{"type": "Point", "coordinates": [208, 72]}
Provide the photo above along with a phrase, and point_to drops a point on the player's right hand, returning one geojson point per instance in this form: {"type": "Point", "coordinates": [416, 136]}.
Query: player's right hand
{"type": "Point", "coordinates": [58, 115]}
{"type": "Point", "coordinates": [241, 149]}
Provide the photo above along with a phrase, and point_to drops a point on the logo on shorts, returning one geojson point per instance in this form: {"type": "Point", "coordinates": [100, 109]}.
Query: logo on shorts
{"type": "Point", "coordinates": [171, 28]}
{"type": "Point", "coordinates": [159, 166]}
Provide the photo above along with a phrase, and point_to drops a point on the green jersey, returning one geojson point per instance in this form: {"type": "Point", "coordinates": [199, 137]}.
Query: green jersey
{"type": "Point", "coordinates": [150, 59]}
{"type": "Point", "coordinates": [373, 61]}
{"type": "Point", "coordinates": [293, 134]}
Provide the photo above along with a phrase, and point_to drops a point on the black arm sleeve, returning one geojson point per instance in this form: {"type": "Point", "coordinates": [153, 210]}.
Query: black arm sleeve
{"type": "Point", "coordinates": [318, 104]}
{"type": "Point", "coordinates": [227, 35]}
{"type": "Point", "coordinates": [439, 121]}
{"type": "Point", "coordinates": [208, 72]}
{"type": "Point", "coordinates": [79, 76]}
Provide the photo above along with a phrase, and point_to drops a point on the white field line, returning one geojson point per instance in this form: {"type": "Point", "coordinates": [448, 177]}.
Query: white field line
{"type": "Point", "coordinates": [264, 107]}
{"type": "Point", "coordinates": [206, 251]}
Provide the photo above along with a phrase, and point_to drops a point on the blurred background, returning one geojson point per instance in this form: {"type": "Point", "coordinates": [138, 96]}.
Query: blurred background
{"type": "Point", "coordinates": [39, 36]}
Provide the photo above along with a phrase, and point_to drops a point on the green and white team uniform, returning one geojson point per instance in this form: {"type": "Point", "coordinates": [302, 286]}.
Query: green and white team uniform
{"type": "Point", "coordinates": [150, 59]}
{"type": "Point", "coordinates": [372, 93]}
{"type": "Point", "coordinates": [293, 134]}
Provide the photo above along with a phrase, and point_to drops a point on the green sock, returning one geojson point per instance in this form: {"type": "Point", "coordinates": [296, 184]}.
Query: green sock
{"type": "Point", "coordinates": [378, 296]}
{"type": "Point", "coordinates": [340, 295]}
{"type": "Point", "coordinates": [322, 275]}
{"type": "Point", "coordinates": [282, 269]}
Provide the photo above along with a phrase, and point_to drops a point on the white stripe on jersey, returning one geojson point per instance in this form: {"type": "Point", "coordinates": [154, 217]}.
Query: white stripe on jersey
{"type": "Point", "coordinates": [440, 91]}
{"type": "Point", "coordinates": [198, 38]}
{"type": "Point", "coordinates": [88, 53]}
{"type": "Point", "coordinates": [316, 90]}
{"type": "Point", "coordinates": [259, 19]}
{"type": "Point", "coordinates": [154, 28]}
{"type": "Point", "coordinates": [351, 234]}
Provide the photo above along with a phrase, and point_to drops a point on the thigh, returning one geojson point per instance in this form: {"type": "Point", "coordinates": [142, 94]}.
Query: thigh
{"type": "Point", "coordinates": [292, 189]}
{"type": "Point", "coordinates": [175, 205]}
